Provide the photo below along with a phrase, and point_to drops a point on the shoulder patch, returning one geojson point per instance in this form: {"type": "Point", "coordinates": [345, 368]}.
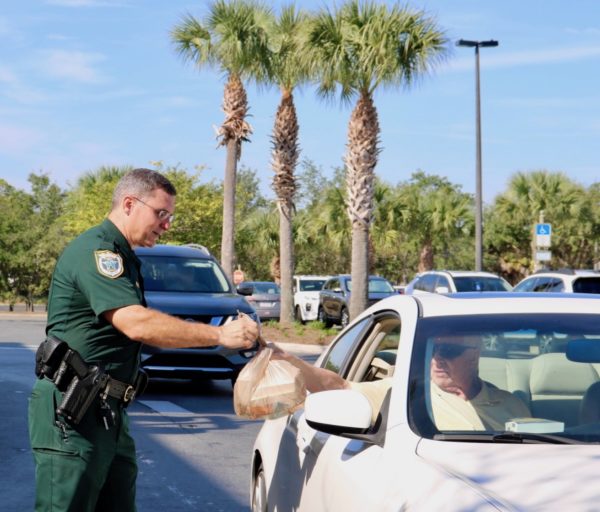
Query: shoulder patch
{"type": "Point", "coordinates": [109, 263]}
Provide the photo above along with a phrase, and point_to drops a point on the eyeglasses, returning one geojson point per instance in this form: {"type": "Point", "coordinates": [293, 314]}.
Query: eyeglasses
{"type": "Point", "coordinates": [450, 350]}
{"type": "Point", "coordinates": [163, 215]}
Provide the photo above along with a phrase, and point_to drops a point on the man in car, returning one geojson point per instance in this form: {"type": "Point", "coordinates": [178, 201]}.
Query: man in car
{"type": "Point", "coordinates": [96, 305]}
{"type": "Point", "coordinates": [460, 400]}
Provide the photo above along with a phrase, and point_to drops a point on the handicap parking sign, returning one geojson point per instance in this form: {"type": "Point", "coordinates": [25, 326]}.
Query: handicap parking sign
{"type": "Point", "coordinates": [542, 235]}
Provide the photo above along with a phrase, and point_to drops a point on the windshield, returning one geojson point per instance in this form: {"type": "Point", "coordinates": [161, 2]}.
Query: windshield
{"type": "Point", "coordinates": [499, 373]}
{"type": "Point", "coordinates": [481, 284]}
{"type": "Point", "coordinates": [311, 285]}
{"type": "Point", "coordinates": [265, 288]}
{"type": "Point", "coordinates": [376, 285]}
{"type": "Point", "coordinates": [587, 285]}
{"type": "Point", "coordinates": [187, 275]}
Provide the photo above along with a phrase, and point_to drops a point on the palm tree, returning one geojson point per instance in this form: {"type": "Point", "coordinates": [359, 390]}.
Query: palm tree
{"type": "Point", "coordinates": [286, 68]}
{"type": "Point", "coordinates": [564, 203]}
{"type": "Point", "coordinates": [232, 38]}
{"type": "Point", "coordinates": [355, 49]}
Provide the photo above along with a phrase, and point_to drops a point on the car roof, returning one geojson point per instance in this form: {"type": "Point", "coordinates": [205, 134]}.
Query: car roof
{"type": "Point", "coordinates": [461, 273]}
{"type": "Point", "coordinates": [181, 251]}
{"type": "Point", "coordinates": [311, 276]}
{"type": "Point", "coordinates": [475, 303]}
{"type": "Point", "coordinates": [566, 272]}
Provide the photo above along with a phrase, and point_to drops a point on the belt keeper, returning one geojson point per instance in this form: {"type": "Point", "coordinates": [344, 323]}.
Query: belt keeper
{"type": "Point", "coordinates": [104, 394]}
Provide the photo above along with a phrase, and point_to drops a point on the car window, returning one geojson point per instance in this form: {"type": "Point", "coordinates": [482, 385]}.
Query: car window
{"type": "Point", "coordinates": [380, 286]}
{"type": "Point", "coordinates": [480, 284]}
{"type": "Point", "coordinates": [542, 284]}
{"type": "Point", "coordinates": [522, 367]}
{"type": "Point", "coordinates": [587, 285]}
{"type": "Point", "coordinates": [311, 285]}
{"type": "Point", "coordinates": [340, 351]}
{"type": "Point", "coordinates": [526, 285]}
{"type": "Point", "coordinates": [270, 288]}
{"type": "Point", "coordinates": [188, 275]}
{"type": "Point", "coordinates": [427, 283]}
{"type": "Point", "coordinates": [442, 281]}
{"type": "Point", "coordinates": [555, 285]}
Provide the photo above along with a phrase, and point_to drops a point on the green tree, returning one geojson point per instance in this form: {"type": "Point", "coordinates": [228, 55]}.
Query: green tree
{"type": "Point", "coordinates": [232, 38]}
{"type": "Point", "coordinates": [435, 213]}
{"type": "Point", "coordinates": [31, 238]}
{"type": "Point", "coordinates": [356, 49]}
{"type": "Point", "coordinates": [565, 204]}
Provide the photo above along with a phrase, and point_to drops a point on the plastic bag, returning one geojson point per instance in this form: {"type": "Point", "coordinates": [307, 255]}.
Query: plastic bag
{"type": "Point", "coordinates": [268, 388]}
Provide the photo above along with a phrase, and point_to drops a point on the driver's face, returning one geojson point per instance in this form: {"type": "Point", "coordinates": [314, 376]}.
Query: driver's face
{"type": "Point", "coordinates": [455, 362]}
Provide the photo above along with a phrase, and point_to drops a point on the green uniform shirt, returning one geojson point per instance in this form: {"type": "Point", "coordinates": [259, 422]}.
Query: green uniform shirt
{"type": "Point", "coordinates": [97, 272]}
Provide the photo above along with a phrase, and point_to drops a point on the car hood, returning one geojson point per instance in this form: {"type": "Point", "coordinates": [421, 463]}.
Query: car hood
{"type": "Point", "coordinates": [177, 303]}
{"type": "Point", "coordinates": [308, 295]}
{"type": "Point", "coordinates": [522, 477]}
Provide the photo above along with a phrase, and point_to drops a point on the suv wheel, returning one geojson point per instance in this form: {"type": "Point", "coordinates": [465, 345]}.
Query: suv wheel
{"type": "Point", "coordinates": [344, 318]}
{"type": "Point", "coordinates": [323, 318]}
{"type": "Point", "coordinates": [298, 315]}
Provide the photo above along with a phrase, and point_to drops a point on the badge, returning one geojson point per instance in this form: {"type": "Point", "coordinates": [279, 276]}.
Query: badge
{"type": "Point", "coordinates": [109, 264]}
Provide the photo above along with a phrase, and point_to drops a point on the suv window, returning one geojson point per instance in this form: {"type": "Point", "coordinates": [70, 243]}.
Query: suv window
{"type": "Point", "coordinates": [526, 286]}
{"type": "Point", "coordinates": [587, 285]}
{"type": "Point", "coordinates": [427, 283]}
{"type": "Point", "coordinates": [548, 284]}
{"type": "Point", "coordinates": [175, 274]}
{"type": "Point", "coordinates": [480, 284]}
{"type": "Point", "coordinates": [311, 285]}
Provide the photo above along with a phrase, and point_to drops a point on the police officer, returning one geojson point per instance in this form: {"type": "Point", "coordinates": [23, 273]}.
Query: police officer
{"type": "Point", "coordinates": [96, 305]}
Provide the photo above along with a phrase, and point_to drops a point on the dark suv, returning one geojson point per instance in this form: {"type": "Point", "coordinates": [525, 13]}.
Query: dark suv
{"type": "Point", "coordinates": [187, 282]}
{"type": "Point", "coordinates": [334, 297]}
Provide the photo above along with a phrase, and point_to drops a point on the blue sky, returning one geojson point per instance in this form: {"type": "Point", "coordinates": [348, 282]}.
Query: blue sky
{"type": "Point", "coordinates": [85, 83]}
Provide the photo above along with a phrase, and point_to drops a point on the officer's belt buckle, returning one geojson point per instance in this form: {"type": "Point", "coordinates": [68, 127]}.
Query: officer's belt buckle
{"type": "Point", "coordinates": [129, 394]}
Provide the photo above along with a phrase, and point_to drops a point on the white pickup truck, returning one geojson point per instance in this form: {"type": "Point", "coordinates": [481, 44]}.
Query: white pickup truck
{"type": "Point", "coordinates": [306, 296]}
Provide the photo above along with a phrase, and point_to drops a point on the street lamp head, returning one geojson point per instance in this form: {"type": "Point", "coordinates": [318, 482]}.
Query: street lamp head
{"type": "Point", "coordinates": [476, 44]}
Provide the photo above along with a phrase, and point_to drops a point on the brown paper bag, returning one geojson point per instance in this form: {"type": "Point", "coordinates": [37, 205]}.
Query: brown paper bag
{"type": "Point", "coordinates": [268, 388]}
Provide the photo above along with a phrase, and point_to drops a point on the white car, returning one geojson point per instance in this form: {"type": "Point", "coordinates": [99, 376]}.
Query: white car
{"type": "Point", "coordinates": [453, 281]}
{"type": "Point", "coordinates": [542, 348]}
{"type": "Point", "coordinates": [557, 281]}
{"type": "Point", "coordinates": [306, 296]}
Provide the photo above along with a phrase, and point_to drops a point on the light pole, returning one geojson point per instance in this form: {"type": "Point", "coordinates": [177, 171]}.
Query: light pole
{"type": "Point", "coordinates": [478, 198]}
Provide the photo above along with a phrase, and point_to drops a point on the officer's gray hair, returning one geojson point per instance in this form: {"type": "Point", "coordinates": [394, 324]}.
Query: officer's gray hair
{"type": "Point", "coordinates": [140, 183]}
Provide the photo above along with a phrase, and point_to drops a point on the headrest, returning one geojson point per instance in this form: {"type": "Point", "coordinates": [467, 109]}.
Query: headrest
{"type": "Point", "coordinates": [554, 374]}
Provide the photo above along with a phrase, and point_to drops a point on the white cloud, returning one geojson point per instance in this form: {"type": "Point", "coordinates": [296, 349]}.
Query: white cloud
{"type": "Point", "coordinates": [73, 65]}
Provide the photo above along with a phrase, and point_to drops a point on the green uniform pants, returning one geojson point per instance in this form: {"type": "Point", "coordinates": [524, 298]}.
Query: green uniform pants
{"type": "Point", "coordinates": [84, 468]}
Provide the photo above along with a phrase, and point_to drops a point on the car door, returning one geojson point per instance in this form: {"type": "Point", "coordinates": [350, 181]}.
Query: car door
{"type": "Point", "coordinates": [341, 473]}
{"type": "Point", "coordinates": [331, 298]}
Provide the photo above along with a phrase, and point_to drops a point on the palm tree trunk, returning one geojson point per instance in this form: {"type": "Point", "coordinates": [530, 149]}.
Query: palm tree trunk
{"type": "Point", "coordinates": [232, 133]}
{"type": "Point", "coordinates": [284, 158]}
{"type": "Point", "coordinates": [227, 240]}
{"type": "Point", "coordinates": [360, 269]}
{"type": "Point", "coordinates": [361, 159]}
{"type": "Point", "coordinates": [426, 257]}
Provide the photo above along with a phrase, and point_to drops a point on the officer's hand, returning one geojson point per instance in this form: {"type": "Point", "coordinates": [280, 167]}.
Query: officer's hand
{"type": "Point", "coordinates": [241, 333]}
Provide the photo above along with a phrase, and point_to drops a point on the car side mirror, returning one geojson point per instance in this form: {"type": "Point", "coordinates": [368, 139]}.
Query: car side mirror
{"type": "Point", "coordinates": [245, 289]}
{"type": "Point", "coordinates": [442, 289]}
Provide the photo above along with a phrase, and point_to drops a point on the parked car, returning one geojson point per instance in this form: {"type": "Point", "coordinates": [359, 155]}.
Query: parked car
{"type": "Point", "coordinates": [543, 348]}
{"type": "Point", "coordinates": [564, 280]}
{"type": "Point", "coordinates": [334, 297]}
{"type": "Point", "coordinates": [453, 281]}
{"type": "Point", "coordinates": [188, 282]}
{"type": "Point", "coordinates": [264, 296]}
{"type": "Point", "coordinates": [306, 296]}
